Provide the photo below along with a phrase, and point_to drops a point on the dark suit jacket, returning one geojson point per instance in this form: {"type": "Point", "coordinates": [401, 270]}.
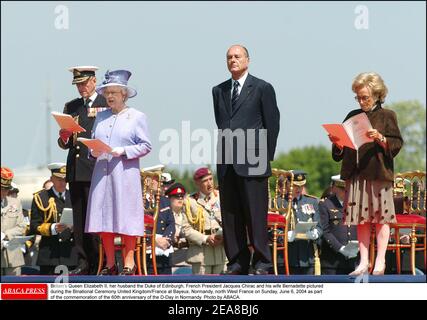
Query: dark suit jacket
{"type": "Point", "coordinates": [79, 166]}
{"type": "Point", "coordinates": [53, 249]}
{"type": "Point", "coordinates": [256, 109]}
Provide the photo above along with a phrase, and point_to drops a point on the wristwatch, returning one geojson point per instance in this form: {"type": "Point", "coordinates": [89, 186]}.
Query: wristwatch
{"type": "Point", "coordinates": [382, 139]}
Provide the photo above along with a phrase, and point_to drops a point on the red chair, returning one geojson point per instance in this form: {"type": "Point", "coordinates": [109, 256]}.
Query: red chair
{"type": "Point", "coordinates": [410, 204]}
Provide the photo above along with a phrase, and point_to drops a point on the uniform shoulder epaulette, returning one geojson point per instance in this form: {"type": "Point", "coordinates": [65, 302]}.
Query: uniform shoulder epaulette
{"type": "Point", "coordinates": [310, 196]}
{"type": "Point", "coordinates": [38, 192]}
{"type": "Point", "coordinates": [72, 101]}
{"type": "Point", "coordinates": [194, 195]}
{"type": "Point", "coordinates": [164, 209]}
{"type": "Point", "coordinates": [72, 104]}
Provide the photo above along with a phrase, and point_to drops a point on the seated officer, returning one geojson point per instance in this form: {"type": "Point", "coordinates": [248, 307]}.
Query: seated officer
{"type": "Point", "coordinates": [12, 225]}
{"type": "Point", "coordinates": [303, 252]}
{"type": "Point", "coordinates": [165, 230]}
{"type": "Point", "coordinates": [176, 194]}
{"type": "Point", "coordinates": [335, 257]}
{"type": "Point", "coordinates": [202, 227]}
{"type": "Point", "coordinates": [56, 246]}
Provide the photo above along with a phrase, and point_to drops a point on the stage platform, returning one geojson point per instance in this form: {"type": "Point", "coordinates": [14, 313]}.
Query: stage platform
{"type": "Point", "coordinates": [219, 279]}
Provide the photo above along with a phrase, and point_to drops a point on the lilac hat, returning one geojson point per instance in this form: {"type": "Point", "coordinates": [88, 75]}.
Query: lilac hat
{"type": "Point", "coordinates": [117, 78]}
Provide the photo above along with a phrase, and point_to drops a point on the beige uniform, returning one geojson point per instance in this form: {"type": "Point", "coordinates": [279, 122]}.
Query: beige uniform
{"type": "Point", "coordinates": [12, 224]}
{"type": "Point", "coordinates": [206, 219]}
{"type": "Point", "coordinates": [179, 256]}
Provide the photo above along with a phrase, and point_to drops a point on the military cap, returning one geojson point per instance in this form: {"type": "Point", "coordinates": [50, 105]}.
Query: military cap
{"type": "Point", "coordinates": [201, 172]}
{"type": "Point", "coordinates": [399, 185]}
{"type": "Point", "coordinates": [175, 189]}
{"type": "Point", "coordinates": [166, 178]}
{"type": "Point", "coordinates": [157, 167]}
{"type": "Point", "coordinates": [299, 177]}
{"type": "Point", "coordinates": [6, 178]}
{"type": "Point", "coordinates": [14, 187]}
{"type": "Point", "coordinates": [337, 181]}
{"type": "Point", "coordinates": [82, 73]}
{"type": "Point", "coordinates": [58, 169]}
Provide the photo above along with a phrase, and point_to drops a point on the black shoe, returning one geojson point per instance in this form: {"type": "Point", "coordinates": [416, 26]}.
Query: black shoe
{"type": "Point", "coordinates": [260, 272]}
{"type": "Point", "coordinates": [108, 271]}
{"type": "Point", "coordinates": [262, 268]}
{"type": "Point", "coordinates": [128, 271]}
{"type": "Point", "coordinates": [234, 271]}
{"type": "Point", "coordinates": [79, 271]}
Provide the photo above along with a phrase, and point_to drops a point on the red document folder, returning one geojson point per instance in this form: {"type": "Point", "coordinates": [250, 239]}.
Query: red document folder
{"type": "Point", "coordinates": [67, 122]}
{"type": "Point", "coordinates": [338, 131]}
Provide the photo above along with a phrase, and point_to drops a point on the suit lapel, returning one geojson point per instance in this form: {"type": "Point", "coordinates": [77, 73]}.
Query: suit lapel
{"type": "Point", "coordinates": [246, 91]}
{"type": "Point", "coordinates": [226, 92]}
{"type": "Point", "coordinates": [99, 102]}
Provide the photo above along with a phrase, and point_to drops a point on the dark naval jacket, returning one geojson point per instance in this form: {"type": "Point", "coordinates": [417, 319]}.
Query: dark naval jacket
{"type": "Point", "coordinates": [53, 249]}
{"type": "Point", "coordinates": [79, 166]}
{"type": "Point", "coordinates": [335, 235]}
{"type": "Point", "coordinates": [301, 252]}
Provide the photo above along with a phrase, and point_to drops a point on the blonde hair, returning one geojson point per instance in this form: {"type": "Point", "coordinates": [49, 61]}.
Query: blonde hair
{"type": "Point", "coordinates": [374, 82]}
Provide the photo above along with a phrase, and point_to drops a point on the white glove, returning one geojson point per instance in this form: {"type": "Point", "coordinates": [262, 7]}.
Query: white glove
{"type": "Point", "coordinates": [312, 234]}
{"type": "Point", "coordinates": [117, 151]}
{"type": "Point", "coordinates": [348, 253]}
{"type": "Point", "coordinates": [4, 244]}
{"type": "Point", "coordinates": [291, 236]}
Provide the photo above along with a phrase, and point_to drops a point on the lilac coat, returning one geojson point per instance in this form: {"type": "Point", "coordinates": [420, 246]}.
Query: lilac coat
{"type": "Point", "coordinates": [115, 197]}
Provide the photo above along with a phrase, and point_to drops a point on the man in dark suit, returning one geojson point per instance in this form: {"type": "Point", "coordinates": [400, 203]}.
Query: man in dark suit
{"type": "Point", "coordinates": [248, 118]}
{"type": "Point", "coordinates": [79, 166]}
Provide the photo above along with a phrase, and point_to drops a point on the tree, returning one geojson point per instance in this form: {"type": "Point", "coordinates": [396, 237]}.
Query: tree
{"type": "Point", "coordinates": [316, 161]}
{"type": "Point", "coordinates": [411, 117]}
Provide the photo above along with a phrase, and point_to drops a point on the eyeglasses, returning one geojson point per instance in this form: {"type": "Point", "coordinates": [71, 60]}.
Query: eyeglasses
{"type": "Point", "coordinates": [363, 98]}
{"type": "Point", "coordinates": [107, 93]}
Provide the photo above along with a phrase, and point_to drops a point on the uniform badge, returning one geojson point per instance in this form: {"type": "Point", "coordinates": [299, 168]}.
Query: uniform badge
{"type": "Point", "coordinates": [91, 112]}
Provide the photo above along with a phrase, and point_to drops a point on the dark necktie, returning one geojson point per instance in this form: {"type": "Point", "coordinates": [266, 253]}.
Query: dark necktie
{"type": "Point", "coordinates": [235, 95]}
{"type": "Point", "coordinates": [87, 103]}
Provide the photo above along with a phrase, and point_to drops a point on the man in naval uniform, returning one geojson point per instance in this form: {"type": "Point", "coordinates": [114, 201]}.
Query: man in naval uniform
{"type": "Point", "coordinates": [165, 229]}
{"type": "Point", "coordinates": [79, 166]}
{"type": "Point", "coordinates": [202, 227]}
{"type": "Point", "coordinates": [57, 246]}
{"type": "Point", "coordinates": [337, 256]}
{"type": "Point", "coordinates": [302, 252]}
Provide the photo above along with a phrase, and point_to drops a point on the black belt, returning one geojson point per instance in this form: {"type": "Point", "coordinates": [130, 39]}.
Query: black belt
{"type": "Point", "coordinates": [210, 231]}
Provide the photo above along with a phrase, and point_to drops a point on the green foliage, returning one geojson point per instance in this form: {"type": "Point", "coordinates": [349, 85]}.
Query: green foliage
{"type": "Point", "coordinates": [411, 117]}
{"type": "Point", "coordinates": [316, 161]}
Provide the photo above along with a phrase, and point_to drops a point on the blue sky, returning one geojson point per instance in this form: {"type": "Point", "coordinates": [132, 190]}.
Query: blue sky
{"type": "Point", "coordinates": [308, 51]}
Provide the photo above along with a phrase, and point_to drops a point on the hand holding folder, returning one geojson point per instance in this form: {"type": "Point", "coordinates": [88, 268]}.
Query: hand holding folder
{"type": "Point", "coordinates": [95, 145]}
{"type": "Point", "coordinates": [65, 121]}
{"type": "Point", "coordinates": [352, 133]}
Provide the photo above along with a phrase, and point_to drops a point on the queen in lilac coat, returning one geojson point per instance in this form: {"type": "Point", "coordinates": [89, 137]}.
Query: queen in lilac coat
{"type": "Point", "coordinates": [115, 205]}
